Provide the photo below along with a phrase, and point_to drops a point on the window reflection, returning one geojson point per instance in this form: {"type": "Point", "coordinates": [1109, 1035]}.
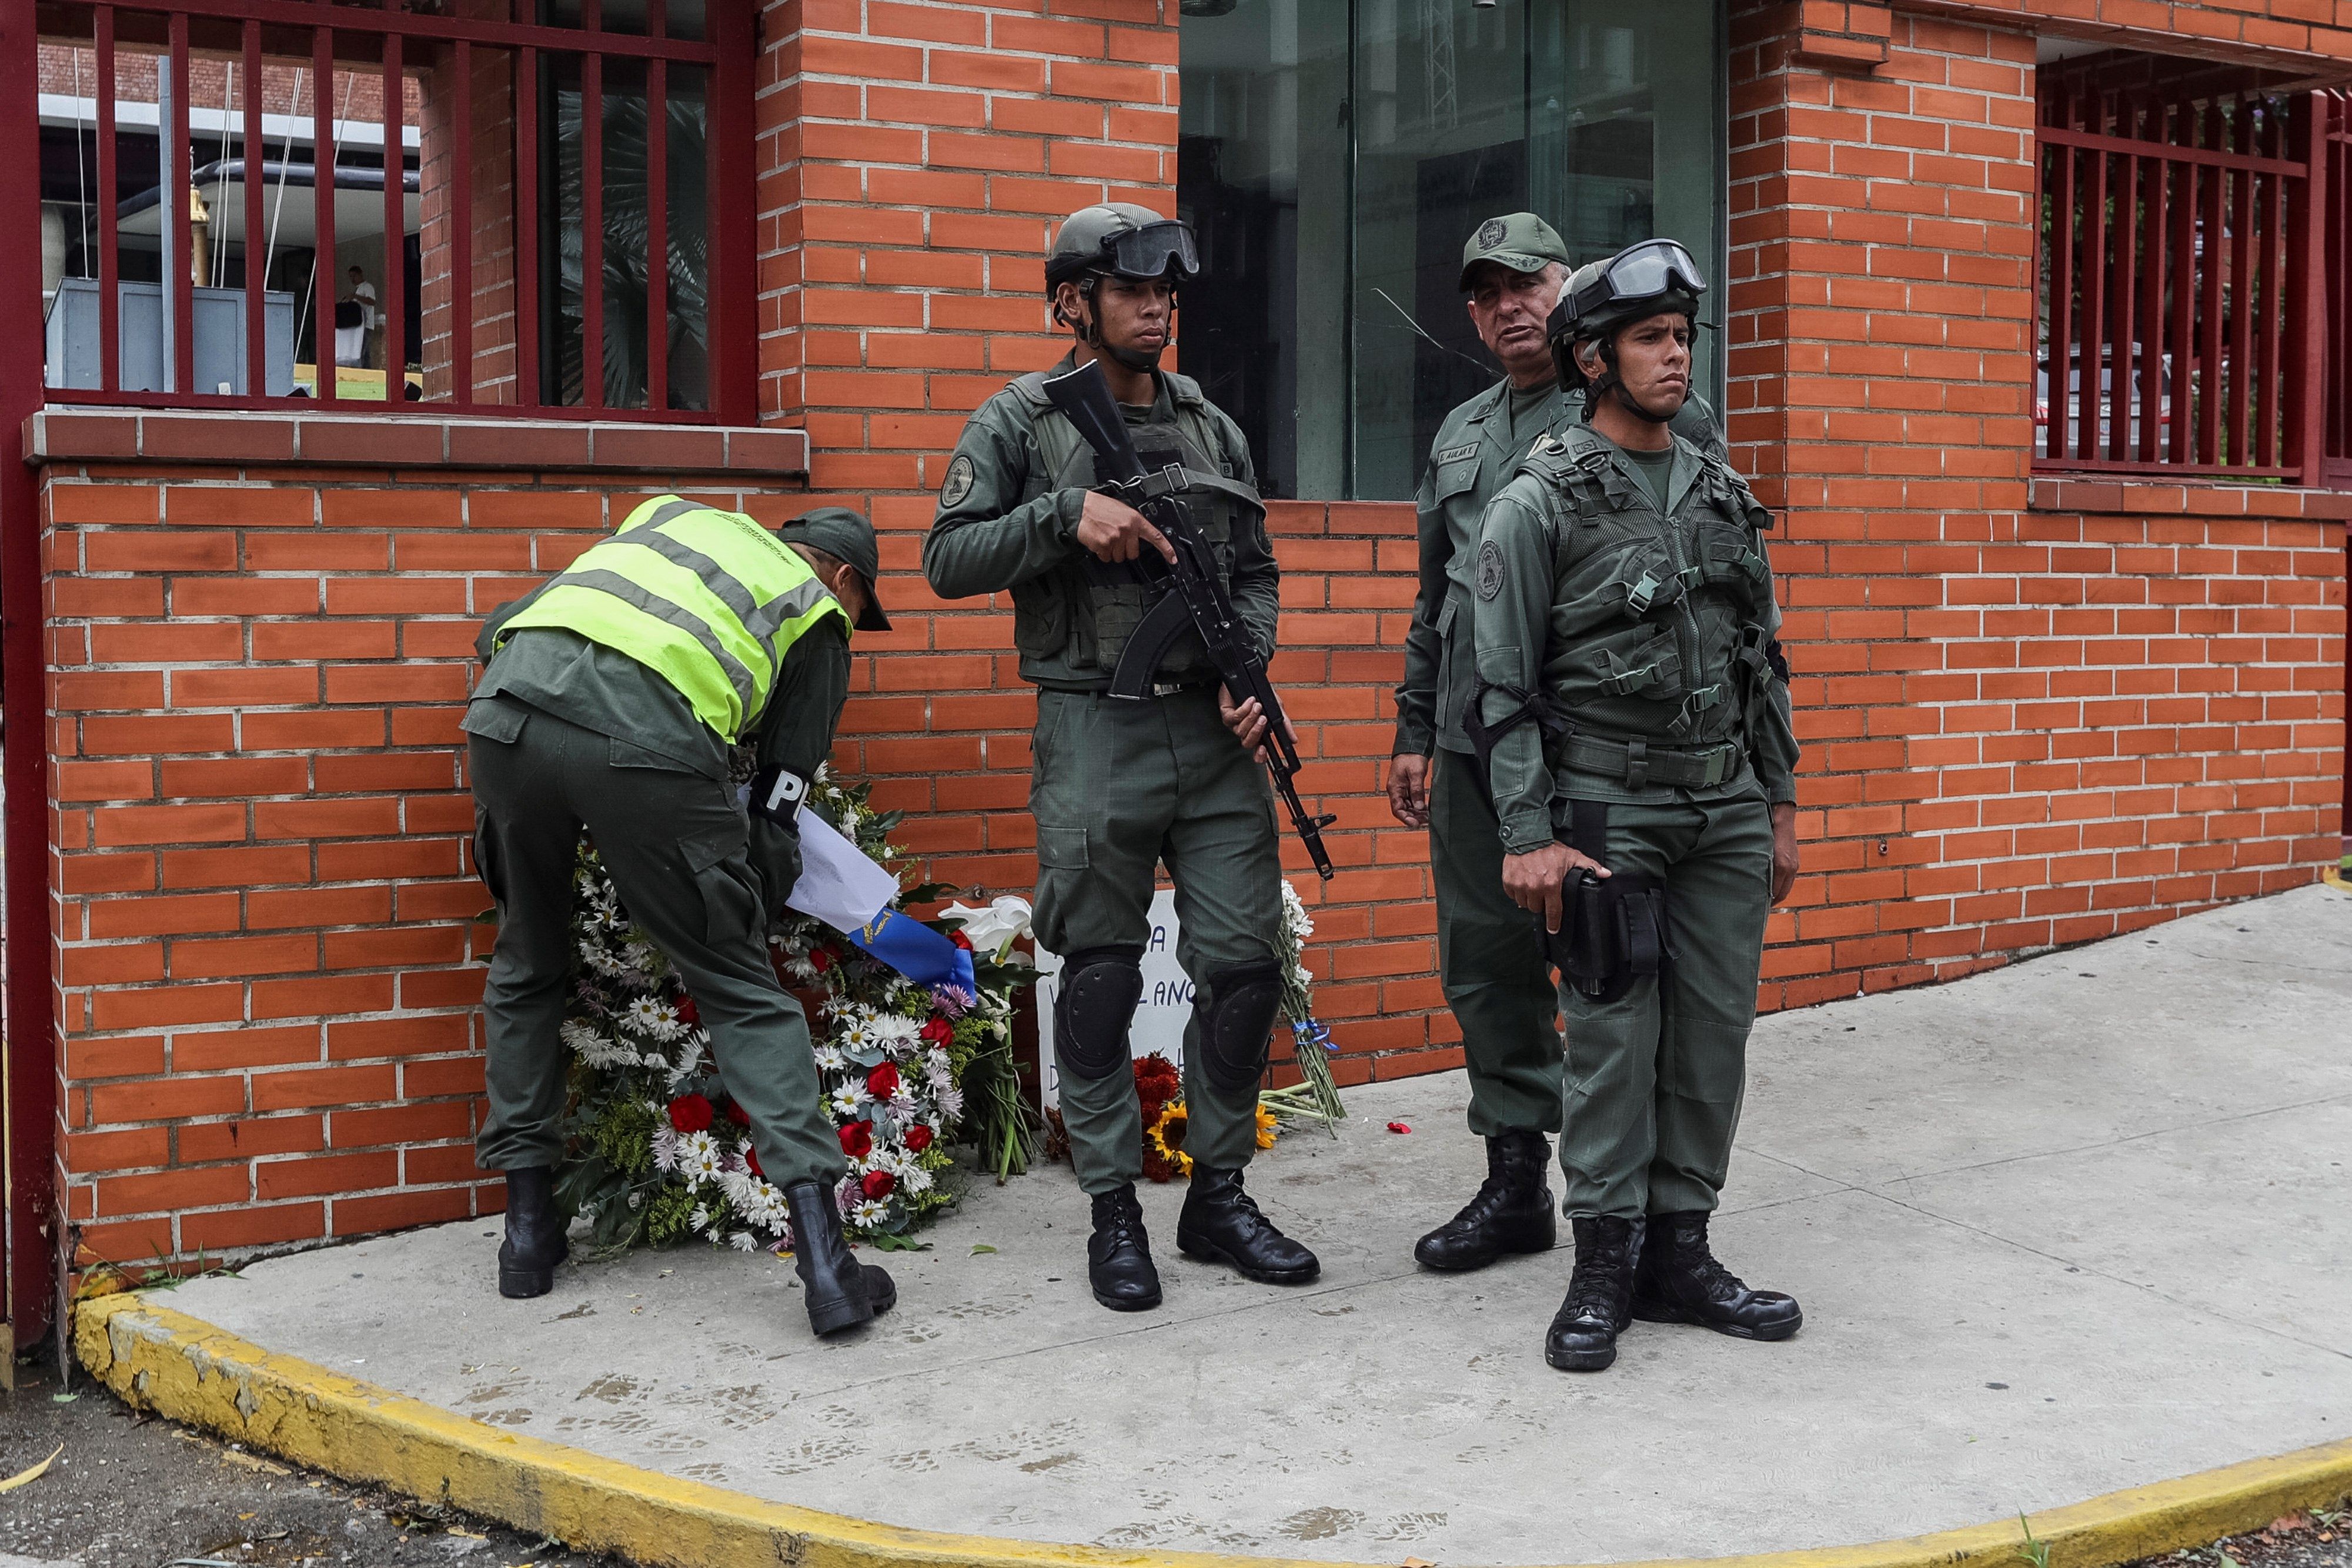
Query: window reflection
{"type": "Point", "coordinates": [1327, 321]}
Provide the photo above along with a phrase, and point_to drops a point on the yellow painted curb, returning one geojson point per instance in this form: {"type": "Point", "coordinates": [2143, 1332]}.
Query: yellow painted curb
{"type": "Point", "coordinates": [190, 1371]}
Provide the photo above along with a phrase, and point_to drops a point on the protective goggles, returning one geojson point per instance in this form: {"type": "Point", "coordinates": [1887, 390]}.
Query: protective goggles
{"type": "Point", "coordinates": [1155, 250]}
{"type": "Point", "coordinates": [1643, 271]}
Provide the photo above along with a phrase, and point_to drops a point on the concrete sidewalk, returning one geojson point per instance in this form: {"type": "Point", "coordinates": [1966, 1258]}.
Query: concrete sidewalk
{"type": "Point", "coordinates": [2071, 1227]}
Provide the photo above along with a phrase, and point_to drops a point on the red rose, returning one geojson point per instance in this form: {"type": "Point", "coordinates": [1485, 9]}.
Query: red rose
{"type": "Point", "coordinates": [960, 940]}
{"type": "Point", "coordinates": [919, 1138]}
{"type": "Point", "coordinates": [751, 1158]}
{"type": "Point", "coordinates": [737, 1114]}
{"type": "Point", "coordinates": [878, 1185]}
{"type": "Point", "coordinates": [939, 1031]}
{"type": "Point", "coordinates": [821, 958]}
{"type": "Point", "coordinates": [690, 1113]}
{"type": "Point", "coordinates": [857, 1140]}
{"type": "Point", "coordinates": [687, 1013]}
{"type": "Point", "coordinates": [882, 1082]}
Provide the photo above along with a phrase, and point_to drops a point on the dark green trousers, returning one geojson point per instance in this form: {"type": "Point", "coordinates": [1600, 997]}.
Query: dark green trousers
{"type": "Point", "coordinates": [1655, 1078]}
{"type": "Point", "coordinates": [674, 841]}
{"type": "Point", "coordinates": [1490, 960]}
{"type": "Point", "coordinates": [1119, 788]}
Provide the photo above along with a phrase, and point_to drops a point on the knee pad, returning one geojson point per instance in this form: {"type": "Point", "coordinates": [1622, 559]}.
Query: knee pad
{"type": "Point", "coordinates": [1235, 1022]}
{"type": "Point", "coordinates": [1100, 987]}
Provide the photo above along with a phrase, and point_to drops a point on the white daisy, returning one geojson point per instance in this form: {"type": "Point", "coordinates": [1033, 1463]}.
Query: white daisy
{"type": "Point", "coordinates": [830, 1059]}
{"type": "Point", "coordinates": [950, 1102]}
{"type": "Point", "coordinates": [665, 1148]}
{"type": "Point", "coordinates": [869, 1214]}
{"type": "Point", "coordinates": [698, 1157]}
{"type": "Point", "coordinates": [895, 1031]}
{"type": "Point", "coordinates": [744, 1241]}
{"type": "Point", "coordinates": [700, 1217]}
{"type": "Point", "coordinates": [848, 1098]}
{"type": "Point", "coordinates": [914, 1177]}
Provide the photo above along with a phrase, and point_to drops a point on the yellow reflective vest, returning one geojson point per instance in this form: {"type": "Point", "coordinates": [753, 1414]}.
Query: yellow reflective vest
{"type": "Point", "coordinates": [708, 599]}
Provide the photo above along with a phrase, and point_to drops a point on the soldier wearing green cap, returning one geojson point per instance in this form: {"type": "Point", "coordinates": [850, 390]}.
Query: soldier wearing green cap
{"type": "Point", "coordinates": [612, 695]}
{"type": "Point", "coordinates": [1492, 967]}
{"type": "Point", "coordinates": [1122, 787]}
{"type": "Point", "coordinates": [1632, 706]}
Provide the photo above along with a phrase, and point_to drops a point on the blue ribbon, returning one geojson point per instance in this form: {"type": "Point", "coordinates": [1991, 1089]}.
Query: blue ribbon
{"type": "Point", "coordinates": [916, 951]}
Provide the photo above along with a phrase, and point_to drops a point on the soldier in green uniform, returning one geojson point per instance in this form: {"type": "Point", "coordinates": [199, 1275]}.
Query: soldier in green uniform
{"type": "Point", "coordinates": [613, 694]}
{"type": "Point", "coordinates": [1122, 786]}
{"type": "Point", "coordinates": [1634, 707]}
{"type": "Point", "coordinates": [1497, 979]}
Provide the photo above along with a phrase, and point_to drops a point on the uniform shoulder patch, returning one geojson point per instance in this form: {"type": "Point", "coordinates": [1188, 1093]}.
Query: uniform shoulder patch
{"type": "Point", "coordinates": [1490, 569]}
{"type": "Point", "coordinates": [958, 482]}
{"type": "Point", "coordinates": [1455, 454]}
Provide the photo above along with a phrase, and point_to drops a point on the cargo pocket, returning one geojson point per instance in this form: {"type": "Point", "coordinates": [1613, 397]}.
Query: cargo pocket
{"type": "Point", "coordinates": [624, 754]}
{"type": "Point", "coordinates": [1653, 669]}
{"type": "Point", "coordinates": [1062, 849]}
{"type": "Point", "coordinates": [1451, 665]}
{"type": "Point", "coordinates": [495, 720]}
{"type": "Point", "coordinates": [486, 864]}
{"type": "Point", "coordinates": [730, 905]}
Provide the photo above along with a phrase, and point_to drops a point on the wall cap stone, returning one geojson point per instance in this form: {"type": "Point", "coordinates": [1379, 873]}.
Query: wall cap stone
{"type": "Point", "coordinates": [61, 433]}
{"type": "Point", "coordinates": [2186, 498]}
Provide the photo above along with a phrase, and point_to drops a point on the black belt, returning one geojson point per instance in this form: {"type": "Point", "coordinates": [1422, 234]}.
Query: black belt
{"type": "Point", "coordinates": [1639, 763]}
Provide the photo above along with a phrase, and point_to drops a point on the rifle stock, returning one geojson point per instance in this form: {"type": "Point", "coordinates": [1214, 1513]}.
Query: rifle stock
{"type": "Point", "coordinates": [1084, 397]}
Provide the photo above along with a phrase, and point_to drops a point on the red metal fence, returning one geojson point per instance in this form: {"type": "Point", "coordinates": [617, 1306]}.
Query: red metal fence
{"type": "Point", "coordinates": [2334, 205]}
{"type": "Point", "coordinates": [537, 123]}
{"type": "Point", "coordinates": [2186, 274]}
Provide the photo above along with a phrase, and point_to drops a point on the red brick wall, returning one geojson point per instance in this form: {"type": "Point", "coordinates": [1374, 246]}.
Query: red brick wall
{"type": "Point", "coordinates": [2025, 724]}
{"type": "Point", "coordinates": [266, 1025]}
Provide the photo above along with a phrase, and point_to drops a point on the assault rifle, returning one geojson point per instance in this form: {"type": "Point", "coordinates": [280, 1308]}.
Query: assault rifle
{"type": "Point", "coordinates": [1195, 597]}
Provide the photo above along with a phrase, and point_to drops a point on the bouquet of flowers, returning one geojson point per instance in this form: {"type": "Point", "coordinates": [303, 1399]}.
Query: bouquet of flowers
{"type": "Point", "coordinates": [1315, 1097]}
{"type": "Point", "coordinates": [660, 1153]}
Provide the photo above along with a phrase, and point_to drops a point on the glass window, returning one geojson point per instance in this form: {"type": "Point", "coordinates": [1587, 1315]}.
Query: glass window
{"type": "Point", "coordinates": [1335, 158]}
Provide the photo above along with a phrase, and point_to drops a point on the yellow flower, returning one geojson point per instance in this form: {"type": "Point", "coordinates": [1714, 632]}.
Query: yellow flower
{"type": "Point", "coordinates": [1165, 1137]}
{"type": "Point", "coordinates": [1268, 1128]}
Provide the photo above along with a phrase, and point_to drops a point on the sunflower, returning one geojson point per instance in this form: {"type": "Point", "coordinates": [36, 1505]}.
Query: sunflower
{"type": "Point", "coordinates": [1164, 1139]}
{"type": "Point", "coordinates": [1268, 1128]}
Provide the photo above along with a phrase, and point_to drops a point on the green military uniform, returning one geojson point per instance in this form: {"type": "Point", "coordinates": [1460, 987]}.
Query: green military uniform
{"type": "Point", "coordinates": [1496, 978]}
{"type": "Point", "coordinates": [1118, 785]}
{"type": "Point", "coordinates": [567, 731]}
{"type": "Point", "coordinates": [1636, 600]}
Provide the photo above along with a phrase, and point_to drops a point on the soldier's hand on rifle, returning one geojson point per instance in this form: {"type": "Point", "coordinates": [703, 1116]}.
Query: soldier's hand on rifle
{"type": "Point", "coordinates": [1409, 789]}
{"type": "Point", "coordinates": [1248, 723]}
{"type": "Point", "coordinates": [1112, 530]}
{"type": "Point", "coordinates": [1534, 880]}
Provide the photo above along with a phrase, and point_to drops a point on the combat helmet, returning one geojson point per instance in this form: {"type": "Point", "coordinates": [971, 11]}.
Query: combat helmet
{"type": "Point", "coordinates": [1118, 239]}
{"type": "Point", "coordinates": [1637, 283]}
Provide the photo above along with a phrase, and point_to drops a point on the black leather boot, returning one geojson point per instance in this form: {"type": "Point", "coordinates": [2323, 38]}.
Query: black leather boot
{"type": "Point", "coordinates": [1680, 1281]}
{"type": "Point", "coordinates": [535, 1241]}
{"type": "Point", "coordinates": [1221, 1224]}
{"type": "Point", "coordinates": [1583, 1333]}
{"type": "Point", "coordinates": [842, 1291]}
{"type": "Point", "coordinates": [1118, 1254]}
{"type": "Point", "coordinates": [1512, 1212]}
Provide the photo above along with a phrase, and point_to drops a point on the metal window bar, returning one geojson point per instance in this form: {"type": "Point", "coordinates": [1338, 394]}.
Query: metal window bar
{"type": "Point", "coordinates": [337, 46]}
{"type": "Point", "coordinates": [2194, 290]}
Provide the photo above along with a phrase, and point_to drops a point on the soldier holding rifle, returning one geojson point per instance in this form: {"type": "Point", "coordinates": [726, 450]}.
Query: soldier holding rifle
{"type": "Point", "coordinates": [1124, 783]}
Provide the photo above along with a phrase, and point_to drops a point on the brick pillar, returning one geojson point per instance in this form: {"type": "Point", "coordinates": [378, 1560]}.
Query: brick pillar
{"type": "Point", "coordinates": [1881, 364]}
{"type": "Point", "coordinates": [490, 291]}
{"type": "Point", "coordinates": [912, 161]}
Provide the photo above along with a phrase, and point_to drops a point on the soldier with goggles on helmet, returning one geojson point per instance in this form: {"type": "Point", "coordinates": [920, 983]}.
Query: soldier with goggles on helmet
{"type": "Point", "coordinates": [1120, 787]}
{"type": "Point", "coordinates": [1632, 710]}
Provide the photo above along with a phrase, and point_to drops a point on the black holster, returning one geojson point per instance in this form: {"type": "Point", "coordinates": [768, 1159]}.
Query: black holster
{"type": "Point", "coordinates": [1612, 929]}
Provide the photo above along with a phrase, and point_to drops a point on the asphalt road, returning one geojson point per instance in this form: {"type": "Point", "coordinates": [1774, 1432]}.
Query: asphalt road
{"type": "Point", "coordinates": [130, 1492]}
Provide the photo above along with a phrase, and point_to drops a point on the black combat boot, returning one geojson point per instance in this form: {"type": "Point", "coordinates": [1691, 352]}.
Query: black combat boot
{"type": "Point", "coordinates": [1679, 1281]}
{"type": "Point", "coordinates": [1512, 1213]}
{"type": "Point", "coordinates": [535, 1241]}
{"type": "Point", "coordinates": [1583, 1333]}
{"type": "Point", "coordinates": [842, 1291]}
{"type": "Point", "coordinates": [1221, 1224]}
{"type": "Point", "coordinates": [1118, 1254]}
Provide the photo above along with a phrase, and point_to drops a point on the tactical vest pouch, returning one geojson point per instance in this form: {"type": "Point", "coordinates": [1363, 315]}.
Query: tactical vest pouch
{"type": "Point", "coordinates": [1647, 581]}
{"type": "Point", "coordinates": [1653, 670]}
{"type": "Point", "coordinates": [1729, 562]}
{"type": "Point", "coordinates": [1120, 593]}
